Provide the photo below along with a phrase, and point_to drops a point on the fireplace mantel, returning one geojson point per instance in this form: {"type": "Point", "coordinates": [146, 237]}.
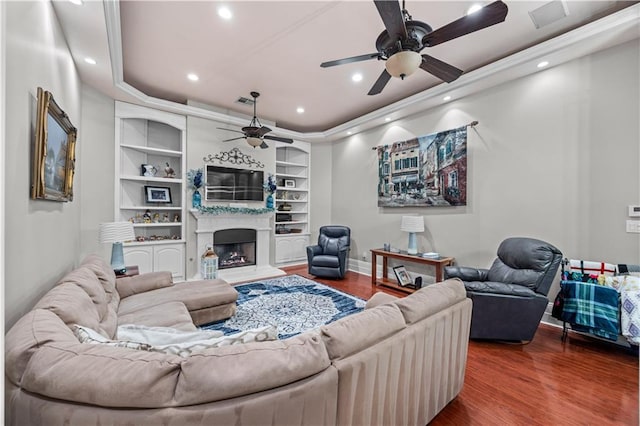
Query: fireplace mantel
{"type": "Point", "coordinates": [208, 224]}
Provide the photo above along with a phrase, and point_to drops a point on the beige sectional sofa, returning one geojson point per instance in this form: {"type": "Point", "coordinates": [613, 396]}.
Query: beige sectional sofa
{"type": "Point", "coordinates": [399, 362]}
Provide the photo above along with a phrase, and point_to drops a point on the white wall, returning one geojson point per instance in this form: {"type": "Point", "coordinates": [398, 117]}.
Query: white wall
{"type": "Point", "coordinates": [555, 157]}
{"type": "Point", "coordinates": [322, 186]}
{"type": "Point", "coordinates": [42, 238]}
{"type": "Point", "coordinates": [96, 170]}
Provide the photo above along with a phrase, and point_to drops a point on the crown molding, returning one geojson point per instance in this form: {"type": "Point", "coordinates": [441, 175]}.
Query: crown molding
{"type": "Point", "coordinates": [606, 32]}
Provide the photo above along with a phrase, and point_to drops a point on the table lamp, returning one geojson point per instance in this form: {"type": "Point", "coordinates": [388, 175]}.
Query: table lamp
{"type": "Point", "coordinates": [117, 233]}
{"type": "Point", "coordinates": [412, 224]}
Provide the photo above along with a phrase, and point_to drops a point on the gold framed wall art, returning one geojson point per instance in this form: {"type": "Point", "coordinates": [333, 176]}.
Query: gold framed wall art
{"type": "Point", "coordinates": [53, 155]}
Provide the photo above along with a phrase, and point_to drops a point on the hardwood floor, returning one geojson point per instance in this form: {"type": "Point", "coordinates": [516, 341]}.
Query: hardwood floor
{"type": "Point", "coordinates": [582, 381]}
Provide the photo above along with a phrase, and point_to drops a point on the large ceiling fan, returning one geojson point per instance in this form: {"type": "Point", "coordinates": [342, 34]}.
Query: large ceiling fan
{"type": "Point", "coordinates": [403, 38]}
{"type": "Point", "coordinates": [255, 133]}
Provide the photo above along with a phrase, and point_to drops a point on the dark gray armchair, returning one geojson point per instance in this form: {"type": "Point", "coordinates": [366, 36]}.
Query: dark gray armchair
{"type": "Point", "coordinates": [510, 298]}
{"type": "Point", "coordinates": [329, 257]}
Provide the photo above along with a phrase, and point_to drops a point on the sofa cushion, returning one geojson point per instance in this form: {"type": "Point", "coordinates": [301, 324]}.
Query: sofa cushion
{"type": "Point", "coordinates": [169, 314]}
{"type": "Point", "coordinates": [431, 299]}
{"type": "Point", "coordinates": [73, 305]}
{"type": "Point", "coordinates": [194, 294]}
{"type": "Point", "coordinates": [326, 261]}
{"type": "Point", "coordinates": [355, 332]}
{"type": "Point", "coordinates": [230, 371]}
{"type": "Point", "coordinates": [104, 273]}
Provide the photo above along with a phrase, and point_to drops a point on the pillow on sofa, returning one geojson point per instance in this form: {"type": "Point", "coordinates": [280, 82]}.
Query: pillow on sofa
{"type": "Point", "coordinates": [184, 348]}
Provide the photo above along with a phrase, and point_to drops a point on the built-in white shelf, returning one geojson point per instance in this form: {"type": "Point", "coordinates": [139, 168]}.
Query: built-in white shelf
{"type": "Point", "coordinates": [282, 200]}
{"type": "Point", "coordinates": [156, 225]}
{"type": "Point", "coordinates": [154, 151]}
{"type": "Point", "coordinates": [289, 175]}
{"type": "Point", "coordinates": [290, 164]}
{"type": "Point", "coordinates": [151, 243]}
{"type": "Point", "coordinates": [149, 208]}
{"type": "Point", "coordinates": [293, 222]}
{"type": "Point", "coordinates": [150, 179]}
{"type": "Point", "coordinates": [284, 188]}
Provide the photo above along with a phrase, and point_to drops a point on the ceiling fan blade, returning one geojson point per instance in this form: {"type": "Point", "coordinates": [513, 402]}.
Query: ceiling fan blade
{"type": "Point", "coordinates": [264, 145]}
{"type": "Point", "coordinates": [230, 130]}
{"type": "Point", "coordinates": [440, 69]}
{"type": "Point", "coordinates": [234, 139]}
{"type": "Point", "coordinates": [491, 14]}
{"type": "Point", "coordinates": [350, 60]}
{"type": "Point", "coordinates": [263, 131]}
{"type": "Point", "coordinates": [392, 17]}
{"type": "Point", "coordinates": [279, 139]}
{"type": "Point", "coordinates": [380, 83]}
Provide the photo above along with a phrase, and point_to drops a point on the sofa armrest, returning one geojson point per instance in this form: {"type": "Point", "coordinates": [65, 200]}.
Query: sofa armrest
{"type": "Point", "coordinates": [379, 298]}
{"type": "Point", "coordinates": [128, 286]}
{"type": "Point", "coordinates": [466, 273]}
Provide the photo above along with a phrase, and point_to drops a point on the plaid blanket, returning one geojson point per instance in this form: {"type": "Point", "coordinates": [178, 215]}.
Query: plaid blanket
{"type": "Point", "coordinates": [591, 308]}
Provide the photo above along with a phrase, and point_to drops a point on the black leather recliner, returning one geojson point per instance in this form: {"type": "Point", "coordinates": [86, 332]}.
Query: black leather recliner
{"type": "Point", "coordinates": [329, 257]}
{"type": "Point", "coordinates": [510, 298]}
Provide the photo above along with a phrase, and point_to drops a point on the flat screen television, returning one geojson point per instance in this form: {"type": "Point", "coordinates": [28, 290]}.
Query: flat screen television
{"type": "Point", "coordinates": [226, 183]}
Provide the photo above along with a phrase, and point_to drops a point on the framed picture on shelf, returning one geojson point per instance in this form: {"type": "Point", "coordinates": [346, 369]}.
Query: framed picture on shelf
{"type": "Point", "coordinates": [157, 194]}
{"type": "Point", "coordinates": [289, 183]}
{"type": "Point", "coordinates": [53, 153]}
{"type": "Point", "coordinates": [402, 275]}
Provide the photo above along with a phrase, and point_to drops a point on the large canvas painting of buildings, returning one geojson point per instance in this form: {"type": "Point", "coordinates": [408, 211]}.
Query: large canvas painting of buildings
{"type": "Point", "coordinates": [429, 170]}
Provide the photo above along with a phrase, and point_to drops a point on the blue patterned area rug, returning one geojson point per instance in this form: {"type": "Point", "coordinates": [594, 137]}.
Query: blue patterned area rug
{"type": "Point", "coordinates": [293, 303]}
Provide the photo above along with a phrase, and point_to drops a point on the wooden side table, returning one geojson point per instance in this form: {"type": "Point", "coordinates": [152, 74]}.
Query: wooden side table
{"type": "Point", "coordinates": [439, 265]}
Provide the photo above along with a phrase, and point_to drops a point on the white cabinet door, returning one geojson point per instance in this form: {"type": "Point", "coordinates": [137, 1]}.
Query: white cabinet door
{"type": "Point", "coordinates": [142, 256]}
{"type": "Point", "coordinates": [283, 249]}
{"type": "Point", "coordinates": [299, 247]}
{"type": "Point", "coordinates": [170, 257]}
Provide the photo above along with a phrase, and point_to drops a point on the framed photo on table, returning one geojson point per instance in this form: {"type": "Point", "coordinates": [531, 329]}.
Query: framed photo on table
{"type": "Point", "coordinates": [402, 275]}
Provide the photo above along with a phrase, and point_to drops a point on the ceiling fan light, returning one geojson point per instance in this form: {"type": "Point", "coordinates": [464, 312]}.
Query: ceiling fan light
{"type": "Point", "coordinates": [254, 142]}
{"type": "Point", "coordinates": [403, 64]}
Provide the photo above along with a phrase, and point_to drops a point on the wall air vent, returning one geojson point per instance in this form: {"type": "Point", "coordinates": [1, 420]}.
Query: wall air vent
{"type": "Point", "coordinates": [244, 101]}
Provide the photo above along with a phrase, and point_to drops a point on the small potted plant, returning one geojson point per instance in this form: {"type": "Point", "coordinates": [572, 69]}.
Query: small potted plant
{"type": "Point", "coordinates": [194, 180]}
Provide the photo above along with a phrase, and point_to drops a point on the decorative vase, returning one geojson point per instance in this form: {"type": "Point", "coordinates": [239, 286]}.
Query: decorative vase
{"type": "Point", "coordinates": [196, 199]}
{"type": "Point", "coordinates": [269, 201]}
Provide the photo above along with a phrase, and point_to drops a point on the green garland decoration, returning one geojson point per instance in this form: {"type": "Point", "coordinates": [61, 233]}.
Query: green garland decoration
{"type": "Point", "coordinates": [215, 210]}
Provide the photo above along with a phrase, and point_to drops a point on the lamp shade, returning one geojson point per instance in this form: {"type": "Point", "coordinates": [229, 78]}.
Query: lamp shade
{"type": "Point", "coordinates": [412, 224]}
{"type": "Point", "coordinates": [254, 142]}
{"type": "Point", "coordinates": [403, 64]}
{"type": "Point", "coordinates": [116, 232]}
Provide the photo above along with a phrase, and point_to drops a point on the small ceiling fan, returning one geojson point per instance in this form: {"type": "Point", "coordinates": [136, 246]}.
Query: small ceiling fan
{"type": "Point", "coordinates": [403, 38]}
{"type": "Point", "coordinates": [255, 133]}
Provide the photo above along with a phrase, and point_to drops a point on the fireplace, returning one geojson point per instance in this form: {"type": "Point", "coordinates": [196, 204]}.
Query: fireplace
{"type": "Point", "coordinates": [235, 247]}
{"type": "Point", "coordinates": [208, 225]}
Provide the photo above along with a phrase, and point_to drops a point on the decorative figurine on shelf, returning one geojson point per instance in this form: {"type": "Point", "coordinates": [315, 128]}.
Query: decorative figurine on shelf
{"type": "Point", "coordinates": [156, 217]}
{"type": "Point", "coordinates": [146, 217]}
{"type": "Point", "coordinates": [176, 218]}
{"type": "Point", "coordinates": [194, 181]}
{"type": "Point", "coordinates": [165, 217]}
{"type": "Point", "coordinates": [270, 188]}
{"type": "Point", "coordinates": [138, 218]}
{"type": "Point", "coordinates": [169, 172]}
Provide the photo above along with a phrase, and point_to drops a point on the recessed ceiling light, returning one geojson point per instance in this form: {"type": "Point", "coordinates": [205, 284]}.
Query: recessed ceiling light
{"type": "Point", "coordinates": [349, 133]}
{"type": "Point", "coordinates": [474, 8]}
{"type": "Point", "coordinates": [76, 2]}
{"type": "Point", "coordinates": [225, 13]}
{"type": "Point", "coordinates": [388, 119]}
{"type": "Point", "coordinates": [543, 64]}
{"type": "Point", "coordinates": [300, 110]}
{"type": "Point", "coordinates": [446, 98]}
{"type": "Point", "coordinates": [90, 60]}
{"type": "Point", "coordinates": [193, 77]}
{"type": "Point", "coordinates": [356, 77]}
